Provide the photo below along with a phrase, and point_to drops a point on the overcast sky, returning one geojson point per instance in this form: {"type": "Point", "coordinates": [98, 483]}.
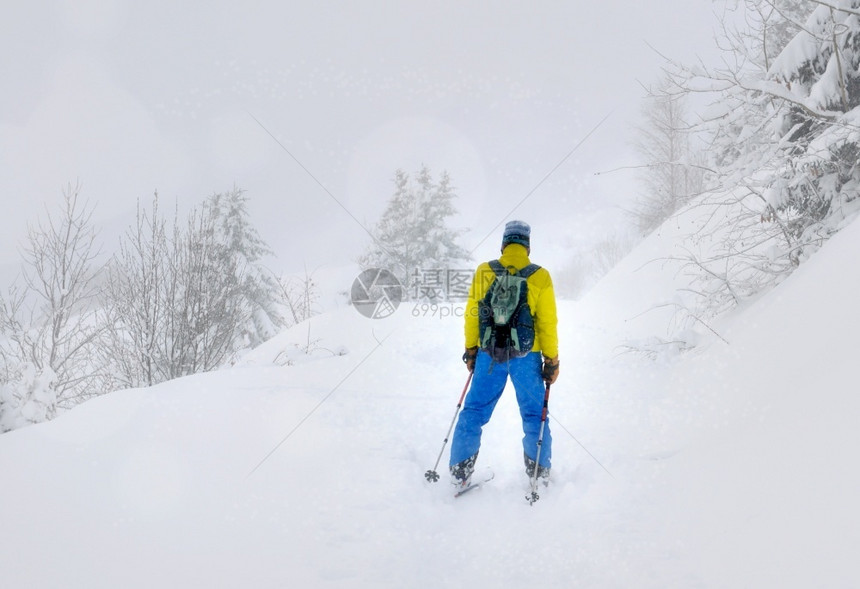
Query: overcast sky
{"type": "Point", "coordinates": [128, 98]}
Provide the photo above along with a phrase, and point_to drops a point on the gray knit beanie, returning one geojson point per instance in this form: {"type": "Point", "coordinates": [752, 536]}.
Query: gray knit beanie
{"type": "Point", "coordinates": [516, 232]}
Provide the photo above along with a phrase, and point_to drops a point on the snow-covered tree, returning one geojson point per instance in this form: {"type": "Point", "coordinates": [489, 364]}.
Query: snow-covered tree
{"type": "Point", "coordinates": [185, 299]}
{"type": "Point", "coordinates": [207, 314]}
{"type": "Point", "coordinates": [673, 173]}
{"type": "Point", "coordinates": [816, 190]}
{"type": "Point", "coordinates": [768, 26]}
{"type": "Point", "coordinates": [240, 246]}
{"type": "Point", "coordinates": [412, 238]}
{"type": "Point", "coordinates": [48, 326]}
{"type": "Point", "coordinates": [784, 144]}
{"type": "Point", "coordinates": [136, 305]}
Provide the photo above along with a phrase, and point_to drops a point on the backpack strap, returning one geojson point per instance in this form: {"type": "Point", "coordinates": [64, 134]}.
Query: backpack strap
{"type": "Point", "coordinates": [528, 270]}
{"type": "Point", "coordinates": [500, 270]}
{"type": "Point", "coordinates": [496, 266]}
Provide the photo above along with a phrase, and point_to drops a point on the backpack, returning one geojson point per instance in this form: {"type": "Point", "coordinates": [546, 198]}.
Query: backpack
{"type": "Point", "coordinates": [506, 325]}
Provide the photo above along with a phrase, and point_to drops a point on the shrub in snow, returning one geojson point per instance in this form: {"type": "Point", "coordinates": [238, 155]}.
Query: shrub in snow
{"type": "Point", "coordinates": [30, 398]}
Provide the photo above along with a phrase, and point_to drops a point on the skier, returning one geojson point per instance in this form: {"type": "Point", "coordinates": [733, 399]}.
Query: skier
{"type": "Point", "coordinates": [529, 373]}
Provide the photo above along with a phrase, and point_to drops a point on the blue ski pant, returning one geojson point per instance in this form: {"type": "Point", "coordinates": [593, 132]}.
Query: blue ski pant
{"type": "Point", "coordinates": [488, 383]}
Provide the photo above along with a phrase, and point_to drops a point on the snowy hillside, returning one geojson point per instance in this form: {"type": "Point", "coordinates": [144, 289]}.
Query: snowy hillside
{"type": "Point", "coordinates": [728, 466]}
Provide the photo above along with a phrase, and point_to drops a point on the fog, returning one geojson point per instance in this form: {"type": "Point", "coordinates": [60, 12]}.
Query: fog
{"type": "Point", "coordinates": [312, 107]}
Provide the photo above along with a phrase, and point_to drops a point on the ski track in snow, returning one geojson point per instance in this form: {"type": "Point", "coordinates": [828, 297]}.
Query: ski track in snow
{"type": "Point", "coordinates": [726, 468]}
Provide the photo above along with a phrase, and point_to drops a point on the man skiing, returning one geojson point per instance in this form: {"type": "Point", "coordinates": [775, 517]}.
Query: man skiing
{"type": "Point", "coordinates": [529, 373]}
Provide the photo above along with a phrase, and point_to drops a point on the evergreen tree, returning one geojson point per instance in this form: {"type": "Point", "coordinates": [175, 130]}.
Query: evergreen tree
{"type": "Point", "coordinates": [242, 249]}
{"type": "Point", "coordinates": [813, 191]}
{"type": "Point", "coordinates": [413, 239]}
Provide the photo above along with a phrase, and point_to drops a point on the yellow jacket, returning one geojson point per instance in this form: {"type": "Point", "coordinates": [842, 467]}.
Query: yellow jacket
{"type": "Point", "coordinates": [541, 301]}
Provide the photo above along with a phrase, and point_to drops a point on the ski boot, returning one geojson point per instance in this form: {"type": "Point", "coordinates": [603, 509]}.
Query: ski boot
{"type": "Point", "coordinates": [542, 471]}
{"type": "Point", "coordinates": [461, 473]}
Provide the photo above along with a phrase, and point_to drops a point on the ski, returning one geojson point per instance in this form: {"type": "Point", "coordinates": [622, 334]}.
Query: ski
{"type": "Point", "coordinates": [485, 477]}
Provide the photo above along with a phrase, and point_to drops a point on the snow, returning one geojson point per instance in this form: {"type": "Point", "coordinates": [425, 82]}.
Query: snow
{"type": "Point", "coordinates": [803, 48]}
{"type": "Point", "coordinates": [773, 489]}
{"type": "Point", "coordinates": [302, 466]}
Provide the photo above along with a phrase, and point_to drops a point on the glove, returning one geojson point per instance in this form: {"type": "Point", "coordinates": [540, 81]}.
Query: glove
{"type": "Point", "coordinates": [469, 357]}
{"type": "Point", "coordinates": [550, 370]}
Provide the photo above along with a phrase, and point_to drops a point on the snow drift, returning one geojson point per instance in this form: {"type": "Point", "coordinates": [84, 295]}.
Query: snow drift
{"type": "Point", "coordinates": [302, 466]}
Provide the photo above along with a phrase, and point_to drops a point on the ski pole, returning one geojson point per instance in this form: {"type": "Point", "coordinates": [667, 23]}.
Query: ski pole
{"type": "Point", "coordinates": [431, 475]}
{"type": "Point", "coordinates": [533, 496]}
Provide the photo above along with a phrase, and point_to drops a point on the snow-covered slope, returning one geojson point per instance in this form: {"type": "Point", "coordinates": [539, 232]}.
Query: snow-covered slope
{"type": "Point", "coordinates": [302, 466]}
{"type": "Point", "coordinates": [767, 494]}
